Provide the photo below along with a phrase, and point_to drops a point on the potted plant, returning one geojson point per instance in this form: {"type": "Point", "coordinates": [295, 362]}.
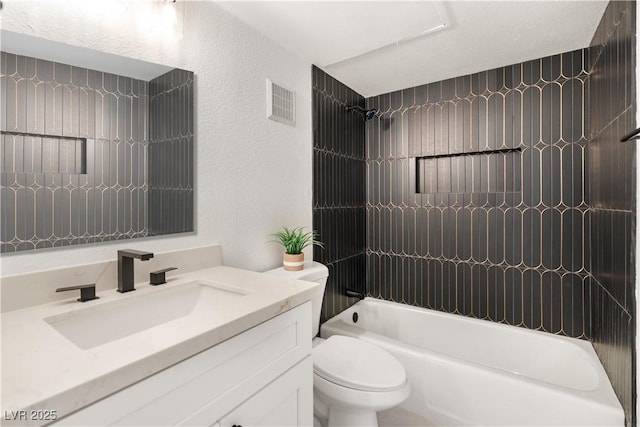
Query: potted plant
{"type": "Point", "coordinates": [294, 241]}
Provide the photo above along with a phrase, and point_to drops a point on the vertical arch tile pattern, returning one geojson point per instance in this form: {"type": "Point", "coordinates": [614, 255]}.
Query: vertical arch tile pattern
{"type": "Point", "coordinates": [43, 207]}
{"type": "Point", "coordinates": [138, 179]}
{"type": "Point", "coordinates": [612, 167]}
{"type": "Point", "coordinates": [495, 237]}
{"type": "Point", "coordinates": [171, 153]}
{"type": "Point", "coordinates": [339, 190]}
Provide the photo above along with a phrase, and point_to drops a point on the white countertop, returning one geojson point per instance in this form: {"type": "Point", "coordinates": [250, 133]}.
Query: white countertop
{"type": "Point", "coordinates": [42, 370]}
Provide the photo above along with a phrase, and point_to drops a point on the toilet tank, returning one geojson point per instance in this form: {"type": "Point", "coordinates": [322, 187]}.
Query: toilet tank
{"type": "Point", "coordinates": [312, 272]}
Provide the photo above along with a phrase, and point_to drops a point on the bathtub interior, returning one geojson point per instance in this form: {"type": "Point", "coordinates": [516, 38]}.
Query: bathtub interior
{"type": "Point", "coordinates": [458, 377]}
{"type": "Point", "coordinates": [561, 361]}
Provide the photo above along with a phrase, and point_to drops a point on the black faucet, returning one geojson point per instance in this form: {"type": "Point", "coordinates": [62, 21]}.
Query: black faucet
{"type": "Point", "coordinates": [125, 267]}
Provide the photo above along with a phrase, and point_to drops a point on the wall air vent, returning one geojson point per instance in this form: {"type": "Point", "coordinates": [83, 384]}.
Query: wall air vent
{"type": "Point", "coordinates": [281, 104]}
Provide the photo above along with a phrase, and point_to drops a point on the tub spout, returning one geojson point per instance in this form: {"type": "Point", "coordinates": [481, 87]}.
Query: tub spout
{"type": "Point", "coordinates": [354, 294]}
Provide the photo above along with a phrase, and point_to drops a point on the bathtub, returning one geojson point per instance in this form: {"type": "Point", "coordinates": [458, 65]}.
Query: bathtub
{"type": "Point", "coordinates": [466, 371]}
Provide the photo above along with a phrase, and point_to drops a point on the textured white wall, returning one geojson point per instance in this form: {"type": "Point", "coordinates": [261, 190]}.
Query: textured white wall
{"type": "Point", "coordinates": [252, 174]}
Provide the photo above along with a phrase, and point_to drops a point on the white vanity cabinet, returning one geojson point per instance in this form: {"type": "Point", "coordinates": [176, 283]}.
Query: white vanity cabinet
{"type": "Point", "coordinates": [263, 376]}
{"type": "Point", "coordinates": [287, 401]}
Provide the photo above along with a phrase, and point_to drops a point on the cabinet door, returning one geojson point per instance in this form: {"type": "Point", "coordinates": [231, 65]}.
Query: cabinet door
{"type": "Point", "coordinates": [287, 401]}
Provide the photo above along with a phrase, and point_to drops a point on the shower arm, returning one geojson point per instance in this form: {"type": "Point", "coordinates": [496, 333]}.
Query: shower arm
{"type": "Point", "coordinates": [356, 107]}
{"type": "Point", "coordinates": [368, 114]}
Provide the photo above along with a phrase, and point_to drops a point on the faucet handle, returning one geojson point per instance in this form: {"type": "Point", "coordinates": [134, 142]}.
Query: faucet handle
{"type": "Point", "coordinates": [87, 292]}
{"type": "Point", "coordinates": [159, 277]}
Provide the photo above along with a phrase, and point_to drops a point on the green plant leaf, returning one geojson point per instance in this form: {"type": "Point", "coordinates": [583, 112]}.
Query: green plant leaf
{"type": "Point", "coordinates": [295, 240]}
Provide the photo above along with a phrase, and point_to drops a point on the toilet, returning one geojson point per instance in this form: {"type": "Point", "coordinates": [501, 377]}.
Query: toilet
{"type": "Point", "coordinates": [352, 379]}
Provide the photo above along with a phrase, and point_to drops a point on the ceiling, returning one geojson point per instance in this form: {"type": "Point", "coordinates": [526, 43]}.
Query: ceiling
{"type": "Point", "coordinates": [23, 44]}
{"type": "Point", "coordinates": [377, 47]}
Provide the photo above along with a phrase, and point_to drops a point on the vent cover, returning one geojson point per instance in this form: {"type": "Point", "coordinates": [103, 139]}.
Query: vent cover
{"type": "Point", "coordinates": [281, 104]}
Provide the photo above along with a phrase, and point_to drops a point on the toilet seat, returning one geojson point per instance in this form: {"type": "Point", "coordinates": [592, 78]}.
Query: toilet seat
{"type": "Point", "coordinates": [357, 365]}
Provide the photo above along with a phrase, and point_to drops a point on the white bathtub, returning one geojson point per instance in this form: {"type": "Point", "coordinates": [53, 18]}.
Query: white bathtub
{"type": "Point", "coordinates": [466, 371]}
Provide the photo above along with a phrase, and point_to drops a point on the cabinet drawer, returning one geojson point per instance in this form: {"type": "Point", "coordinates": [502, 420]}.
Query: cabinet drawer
{"type": "Point", "coordinates": [218, 378]}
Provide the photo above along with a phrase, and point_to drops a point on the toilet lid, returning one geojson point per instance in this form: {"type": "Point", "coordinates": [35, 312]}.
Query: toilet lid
{"type": "Point", "coordinates": [357, 364]}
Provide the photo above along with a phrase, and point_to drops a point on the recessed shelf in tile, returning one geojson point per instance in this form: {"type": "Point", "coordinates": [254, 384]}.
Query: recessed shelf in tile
{"type": "Point", "coordinates": [25, 152]}
{"type": "Point", "coordinates": [495, 171]}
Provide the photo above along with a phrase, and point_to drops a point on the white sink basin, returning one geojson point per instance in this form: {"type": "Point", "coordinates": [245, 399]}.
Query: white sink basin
{"type": "Point", "coordinates": [93, 326]}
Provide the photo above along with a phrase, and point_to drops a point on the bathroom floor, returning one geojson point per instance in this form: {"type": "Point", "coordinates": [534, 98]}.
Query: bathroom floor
{"type": "Point", "coordinates": [395, 417]}
{"type": "Point", "coordinates": [398, 417]}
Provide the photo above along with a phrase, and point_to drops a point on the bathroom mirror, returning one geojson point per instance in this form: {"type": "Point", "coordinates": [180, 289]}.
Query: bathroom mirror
{"type": "Point", "coordinates": [95, 147]}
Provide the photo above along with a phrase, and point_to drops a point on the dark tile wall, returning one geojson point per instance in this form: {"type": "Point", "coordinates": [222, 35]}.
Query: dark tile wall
{"type": "Point", "coordinates": [171, 122]}
{"type": "Point", "coordinates": [477, 199]}
{"type": "Point", "coordinates": [339, 203]}
{"type": "Point", "coordinates": [84, 181]}
{"type": "Point", "coordinates": [612, 195]}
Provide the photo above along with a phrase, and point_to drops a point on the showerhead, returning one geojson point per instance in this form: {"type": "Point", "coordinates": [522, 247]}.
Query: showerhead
{"type": "Point", "coordinates": [368, 114]}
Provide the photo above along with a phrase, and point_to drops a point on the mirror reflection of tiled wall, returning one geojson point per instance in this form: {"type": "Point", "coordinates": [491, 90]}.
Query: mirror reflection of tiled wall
{"type": "Point", "coordinates": [171, 153]}
{"type": "Point", "coordinates": [49, 207]}
{"type": "Point", "coordinates": [75, 156]}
